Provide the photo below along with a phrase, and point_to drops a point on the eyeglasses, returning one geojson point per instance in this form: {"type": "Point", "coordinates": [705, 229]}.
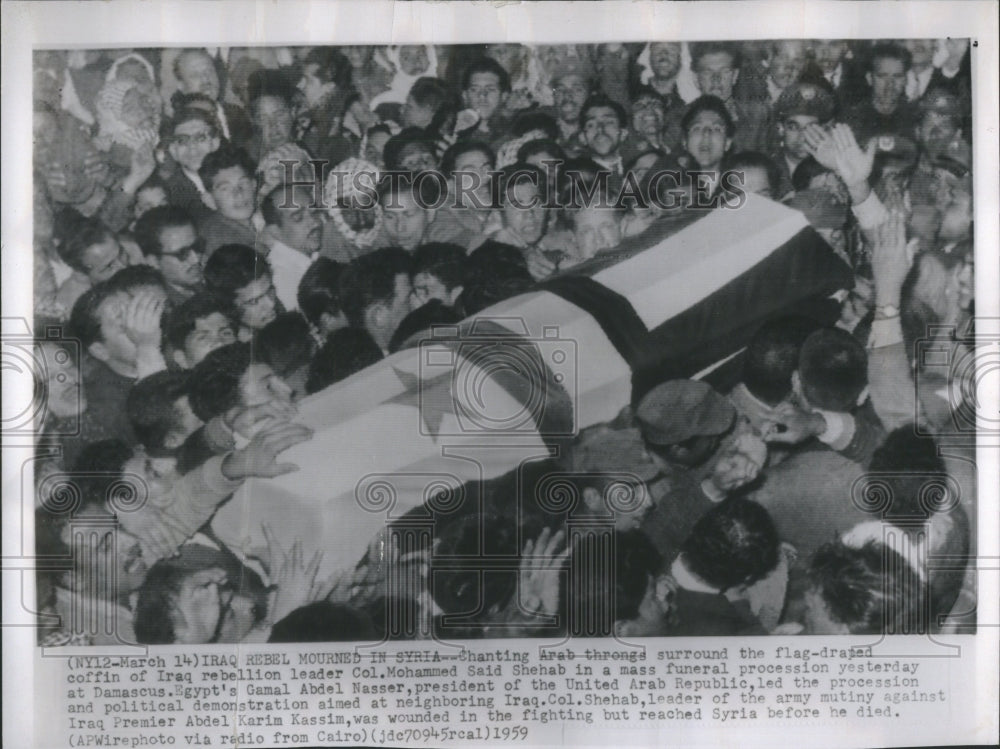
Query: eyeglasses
{"type": "Point", "coordinates": [193, 139]}
{"type": "Point", "coordinates": [183, 253]}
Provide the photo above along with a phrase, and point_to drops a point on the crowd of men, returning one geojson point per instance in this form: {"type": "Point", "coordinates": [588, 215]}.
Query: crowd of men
{"type": "Point", "coordinates": [202, 241]}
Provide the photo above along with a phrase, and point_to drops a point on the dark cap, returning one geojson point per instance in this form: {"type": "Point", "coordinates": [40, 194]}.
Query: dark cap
{"type": "Point", "coordinates": [807, 99]}
{"type": "Point", "coordinates": [677, 410]}
{"type": "Point", "coordinates": [821, 207]}
{"type": "Point", "coordinates": [896, 147]}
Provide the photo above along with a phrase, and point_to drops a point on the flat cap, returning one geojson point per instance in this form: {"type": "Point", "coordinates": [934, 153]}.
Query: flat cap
{"type": "Point", "coordinates": [808, 99]}
{"type": "Point", "coordinates": [677, 410]}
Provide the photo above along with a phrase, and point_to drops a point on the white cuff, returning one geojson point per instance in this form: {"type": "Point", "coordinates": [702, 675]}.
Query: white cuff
{"type": "Point", "coordinates": [870, 212]}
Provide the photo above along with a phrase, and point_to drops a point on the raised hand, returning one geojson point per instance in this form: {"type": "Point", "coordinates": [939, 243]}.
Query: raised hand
{"type": "Point", "coordinates": [142, 319]}
{"type": "Point", "coordinates": [294, 584]}
{"type": "Point", "coordinates": [890, 259]}
{"type": "Point", "coordinates": [852, 164]}
{"type": "Point", "coordinates": [541, 561]}
{"type": "Point", "coordinates": [143, 165]}
{"type": "Point", "coordinates": [740, 463]}
{"type": "Point", "coordinates": [260, 457]}
{"type": "Point", "coordinates": [249, 420]}
{"type": "Point", "coordinates": [821, 145]}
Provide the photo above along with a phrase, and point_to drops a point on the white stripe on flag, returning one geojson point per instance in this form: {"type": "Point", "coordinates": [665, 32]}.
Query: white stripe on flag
{"type": "Point", "coordinates": [683, 269]}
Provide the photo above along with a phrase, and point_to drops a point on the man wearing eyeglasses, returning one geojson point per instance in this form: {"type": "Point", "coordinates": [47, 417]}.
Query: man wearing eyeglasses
{"type": "Point", "coordinates": [168, 239]}
{"type": "Point", "coordinates": [193, 135]}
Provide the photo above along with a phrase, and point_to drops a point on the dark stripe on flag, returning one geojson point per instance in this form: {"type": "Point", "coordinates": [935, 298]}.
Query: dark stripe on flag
{"type": "Point", "coordinates": [525, 376]}
{"type": "Point", "coordinates": [796, 278]}
{"type": "Point", "coordinates": [613, 312]}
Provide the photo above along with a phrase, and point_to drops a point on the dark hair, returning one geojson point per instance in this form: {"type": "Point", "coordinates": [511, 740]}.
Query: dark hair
{"type": "Point", "coordinates": [734, 543]}
{"type": "Point", "coordinates": [636, 560]}
{"type": "Point", "coordinates": [532, 119]}
{"type": "Point", "coordinates": [492, 259]}
{"type": "Point", "coordinates": [426, 189]}
{"type": "Point", "coordinates": [701, 49]}
{"type": "Point", "coordinates": [578, 172]}
{"type": "Point", "coordinates": [755, 159]}
{"type": "Point", "coordinates": [268, 82]}
{"type": "Point", "coordinates": [494, 271]}
{"type": "Point", "coordinates": [422, 320]}
{"type": "Point", "coordinates": [428, 91]}
{"type": "Point", "coordinates": [804, 173]}
{"type": "Point", "coordinates": [912, 470]}
{"type": "Point", "coordinates": [233, 267]}
{"type": "Point", "coordinates": [708, 103]}
{"type": "Point", "coordinates": [542, 145]}
{"type": "Point", "coordinates": [460, 149]}
{"type": "Point", "coordinates": [392, 152]}
{"type": "Point", "coordinates": [331, 64]}
{"type": "Point", "coordinates": [515, 174]}
{"type": "Point", "coordinates": [323, 621]}
{"type": "Point", "coordinates": [889, 50]}
{"type": "Point", "coordinates": [152, 407]}
{"type": "Point", "coordinates": [286, 343]}
{"type": "Point", "coordinates": [272, 208]}
{"type": "Point", "coordinates": [215, 380]}
{"type": "Point", "coordinates": [224, 157]}
{"type": "Point", "coordinates": [645, 91]}
{"type": "Point", "coordinates": [134, 277]}
{"type": "Point", "coordinates": [84, 235]}
{"type": "Point", "coordinates": [833, 368]}
{"type": "Point", "coordinates": [319, 289]}
{"type": "Point", "coordinates": [66, 222]}
{"type": "Point", "coordinates": [96, 469]}
{"type": "Point", "coordinates": [187, 114]}
{"type": "Point", "coordinates": [371, 279]}
{"type": "Point", "coordinates": [604, 101]}
{"type": "Point", "coordinates": [153, 222]}
{"type": "Point", "coordinates": [867, 588]}
{"type": "Point", "coordinates": [181, 321]}
{"type": "Point", "coordinates": [486, 65]}
{"type": "Point", "coordinates": [445, 261]}
{"type": "Point", "coordinates": [84, 320]}
{"type": "Point", "coordinates": [773, 355]}
{"type": "Point", "coordinates": [464, 590]}
{"type": "Point", "coordinates": [345, 352]}
{"type": "Point", "coordinates": [154, 610]}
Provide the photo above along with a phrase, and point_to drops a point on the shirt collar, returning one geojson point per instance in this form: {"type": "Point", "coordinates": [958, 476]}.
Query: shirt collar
{"type": "Point", "coordinates": [688, 580]}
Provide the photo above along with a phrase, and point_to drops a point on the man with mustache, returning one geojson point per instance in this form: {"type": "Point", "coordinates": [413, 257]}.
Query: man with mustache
{"type": "Point", "coordinates": [168, 239]}
{"type": "Point", "coordinates": [292, 237]}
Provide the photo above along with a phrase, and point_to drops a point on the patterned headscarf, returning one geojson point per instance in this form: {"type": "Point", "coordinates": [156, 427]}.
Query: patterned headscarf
{"type": "Point", "coordinates": [111, 116]}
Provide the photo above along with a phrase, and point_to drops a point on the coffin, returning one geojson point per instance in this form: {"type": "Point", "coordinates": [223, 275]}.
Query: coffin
{"type": "Point", "coordinates": [517, 381]}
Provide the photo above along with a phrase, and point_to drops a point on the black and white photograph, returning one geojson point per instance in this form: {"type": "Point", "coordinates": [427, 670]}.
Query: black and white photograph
{"type": "Point", "coordinates": [402, 346]}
